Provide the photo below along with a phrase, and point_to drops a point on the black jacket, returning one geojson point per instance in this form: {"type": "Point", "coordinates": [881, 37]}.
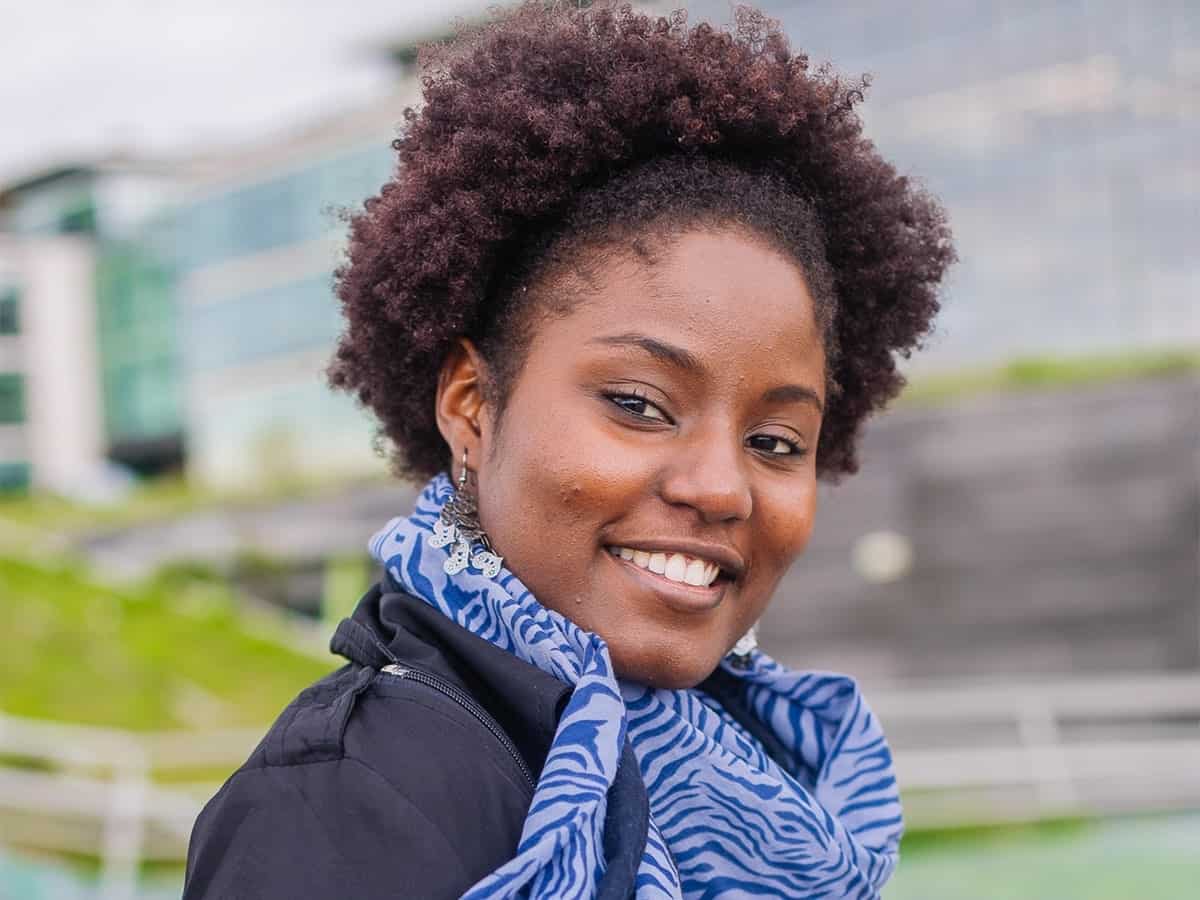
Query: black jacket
{"type": "Point", "coordinates": [406, 773]}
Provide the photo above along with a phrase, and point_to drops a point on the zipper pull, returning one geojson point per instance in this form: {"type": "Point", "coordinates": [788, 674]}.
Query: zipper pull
{"type": "Point", "coordinates": [394, 669]}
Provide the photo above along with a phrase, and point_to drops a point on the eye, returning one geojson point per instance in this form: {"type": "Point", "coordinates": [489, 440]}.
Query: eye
{"type": "Point", "coordinates": [639, 406]}
{"type": "Point", "coordinates": [775, 445]}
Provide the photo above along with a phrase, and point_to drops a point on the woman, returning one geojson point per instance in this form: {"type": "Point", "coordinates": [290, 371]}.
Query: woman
{"type": "Point", "coordinates": [632, 289]}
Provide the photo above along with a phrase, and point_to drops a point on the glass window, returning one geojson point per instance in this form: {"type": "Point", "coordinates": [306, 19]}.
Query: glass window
{"type": "Point", "coordinates": [81, 220]}
{"type": "Point", "coordinates": [12, 398]}
{"type": "Point", "coordinates": [14, 476]}
{"type": "Point", "coordinates": [290, 318]}
{"type": "Point", "coordinates": [284, 209]}
{"type": "Point", "coordinates": [10, 320]}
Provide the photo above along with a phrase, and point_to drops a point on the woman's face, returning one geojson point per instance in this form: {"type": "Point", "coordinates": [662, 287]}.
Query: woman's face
{"type": "Point", "coordinates": [654, 476]}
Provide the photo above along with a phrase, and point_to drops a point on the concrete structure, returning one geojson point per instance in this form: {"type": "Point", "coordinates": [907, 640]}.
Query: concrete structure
{"type": "Point", "coordinates": [51, 429]}
{"type": "Point", "coordinates": [1040, 533]}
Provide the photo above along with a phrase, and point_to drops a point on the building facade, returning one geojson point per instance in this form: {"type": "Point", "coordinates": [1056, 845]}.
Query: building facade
{"type": "Point", "coordinates": [86, 326]}
{"type": "Point", "coordinates": [1062, 138]}
{"type": "Point", "coordinates": [51, 432]}
{"type": "Point", "coordinates": [256, 240]}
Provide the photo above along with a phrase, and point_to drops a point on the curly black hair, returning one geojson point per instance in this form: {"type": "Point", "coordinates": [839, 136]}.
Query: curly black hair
{"type": "Point", "coordinates": [550, 131]}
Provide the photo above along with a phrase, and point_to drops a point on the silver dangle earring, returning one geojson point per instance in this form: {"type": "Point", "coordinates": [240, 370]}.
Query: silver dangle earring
{"type": "Point", "coordinates": [739, 656]}
{"type": "Point", "coordinates": [459, 525]}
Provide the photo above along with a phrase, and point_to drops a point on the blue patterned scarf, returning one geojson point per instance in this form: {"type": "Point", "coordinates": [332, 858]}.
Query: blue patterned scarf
{"type": "Point", "coordinates": [725, 819]}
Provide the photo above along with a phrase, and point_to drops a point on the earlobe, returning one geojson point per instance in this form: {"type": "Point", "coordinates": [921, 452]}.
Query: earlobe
{"type": "Point", "coordinates": [460, 404]}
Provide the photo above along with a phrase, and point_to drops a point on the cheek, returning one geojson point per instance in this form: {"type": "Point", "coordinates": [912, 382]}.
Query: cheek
{"type": "Point", "coordinates": [787, 524]}
{"type": "Point", "coordinates": [557, 481]}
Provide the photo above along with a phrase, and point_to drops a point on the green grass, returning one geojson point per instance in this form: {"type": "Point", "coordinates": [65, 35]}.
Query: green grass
{"type": "Point", "coordinates": [1047, 372]}
{"type": "Point", "coordinates": [924, 839]}
{"type": "Point", "coordinates": [1114, 859]}
{"type": "Point", "coordinates": [170, 653]}
{"type": "Point", "coordinates": [45, 515]}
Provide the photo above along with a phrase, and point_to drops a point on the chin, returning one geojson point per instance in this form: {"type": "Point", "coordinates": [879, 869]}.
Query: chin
{"type": "Point", "coordinates": [662, 669]}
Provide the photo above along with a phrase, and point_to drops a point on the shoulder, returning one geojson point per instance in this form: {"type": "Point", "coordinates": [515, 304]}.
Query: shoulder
{"type": "Point", "coordinates": [437, 746]}
{"type": "Point", "coordinates": [361, 764]}
{"type": "Point", "coordinates": [398, 727]}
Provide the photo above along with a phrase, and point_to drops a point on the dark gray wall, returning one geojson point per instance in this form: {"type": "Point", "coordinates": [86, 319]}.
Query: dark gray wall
{"type": "Point", "coordinates": [1052, 532]}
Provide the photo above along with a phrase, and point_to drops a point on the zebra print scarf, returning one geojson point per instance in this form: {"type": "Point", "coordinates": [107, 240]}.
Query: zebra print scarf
{"type": "Point", "coordinates": [725, 819]}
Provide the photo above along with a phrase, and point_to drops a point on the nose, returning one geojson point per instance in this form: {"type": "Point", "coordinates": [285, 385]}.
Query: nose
{"type": "Point", "coordinates": [707, 473]}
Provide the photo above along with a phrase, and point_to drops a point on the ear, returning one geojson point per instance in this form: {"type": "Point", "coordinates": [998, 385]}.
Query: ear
{"type": "Point", "coordinates": [460, 406]}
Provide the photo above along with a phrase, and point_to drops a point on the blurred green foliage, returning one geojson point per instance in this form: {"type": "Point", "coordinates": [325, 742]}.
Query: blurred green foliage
{"type": "Point", "coordinates": [920, 840]}
{"type": "Point", "coordinates": [168, 653]}
{"type": "Point", "coordinates": [1037, 372]}
{"type": "Point", "coordinates": [159, 498]}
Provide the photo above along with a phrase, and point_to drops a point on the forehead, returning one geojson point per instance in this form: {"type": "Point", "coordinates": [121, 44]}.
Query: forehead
{"type": "Point", "coordinates": [739, 305]}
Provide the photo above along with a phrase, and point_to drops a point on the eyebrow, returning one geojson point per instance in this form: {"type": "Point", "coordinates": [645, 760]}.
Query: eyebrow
{"type": "Point", "coordinates": [793, 393]}
{"type": "Point", "coordinates": [683, 359]}
{"type": "Point", "coordinates": [668, 353]}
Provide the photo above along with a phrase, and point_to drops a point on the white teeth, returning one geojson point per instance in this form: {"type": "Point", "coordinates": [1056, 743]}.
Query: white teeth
{"type": "Point", "coordinates": [695, 573]}
{"type": "Point", "coordinates": [675, 566]}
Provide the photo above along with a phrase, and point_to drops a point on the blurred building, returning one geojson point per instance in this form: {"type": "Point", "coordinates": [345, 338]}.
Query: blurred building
{"type": "Point", "coordinates": [1060, 135]}
{"type": "Point", "coordinates": [50, 420]}
{"type": "Point", "coordinates": [202, 314]}
{"type": "Point", "coordinates": [86, 350]}
{"type": "Point", "coordinates": [1062, 138]}
{"type": "Point", "coordinates": [256, 240]}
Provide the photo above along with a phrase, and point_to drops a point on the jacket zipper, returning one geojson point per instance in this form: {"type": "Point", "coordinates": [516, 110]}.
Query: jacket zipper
{"type": "Point", "coordinates": [465, 701]}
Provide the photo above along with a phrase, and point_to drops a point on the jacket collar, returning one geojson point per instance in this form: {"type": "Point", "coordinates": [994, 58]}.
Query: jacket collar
{"type": "Point", "coordinates": [390, 626]}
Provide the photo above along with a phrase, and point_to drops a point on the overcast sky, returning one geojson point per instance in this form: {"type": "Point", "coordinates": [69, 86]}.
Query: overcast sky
{"type": "Point", "coordinates": [88, 77]}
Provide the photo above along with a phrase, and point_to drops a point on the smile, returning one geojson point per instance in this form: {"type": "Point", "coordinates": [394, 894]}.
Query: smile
{"type": "Point", "coordinates": [677, 567]}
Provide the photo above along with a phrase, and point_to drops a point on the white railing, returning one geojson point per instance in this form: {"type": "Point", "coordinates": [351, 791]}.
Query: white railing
{"type": "Point", "coordinates": [1028, 751]}
{"type": "Point", "coordinates": [110, 794]}
{"type": "Point", "coordinates": [964, 755]}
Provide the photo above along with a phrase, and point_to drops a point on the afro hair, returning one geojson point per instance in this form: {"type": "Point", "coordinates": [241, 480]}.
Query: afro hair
{"type": "Point", "coordinates": [534, 127]}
